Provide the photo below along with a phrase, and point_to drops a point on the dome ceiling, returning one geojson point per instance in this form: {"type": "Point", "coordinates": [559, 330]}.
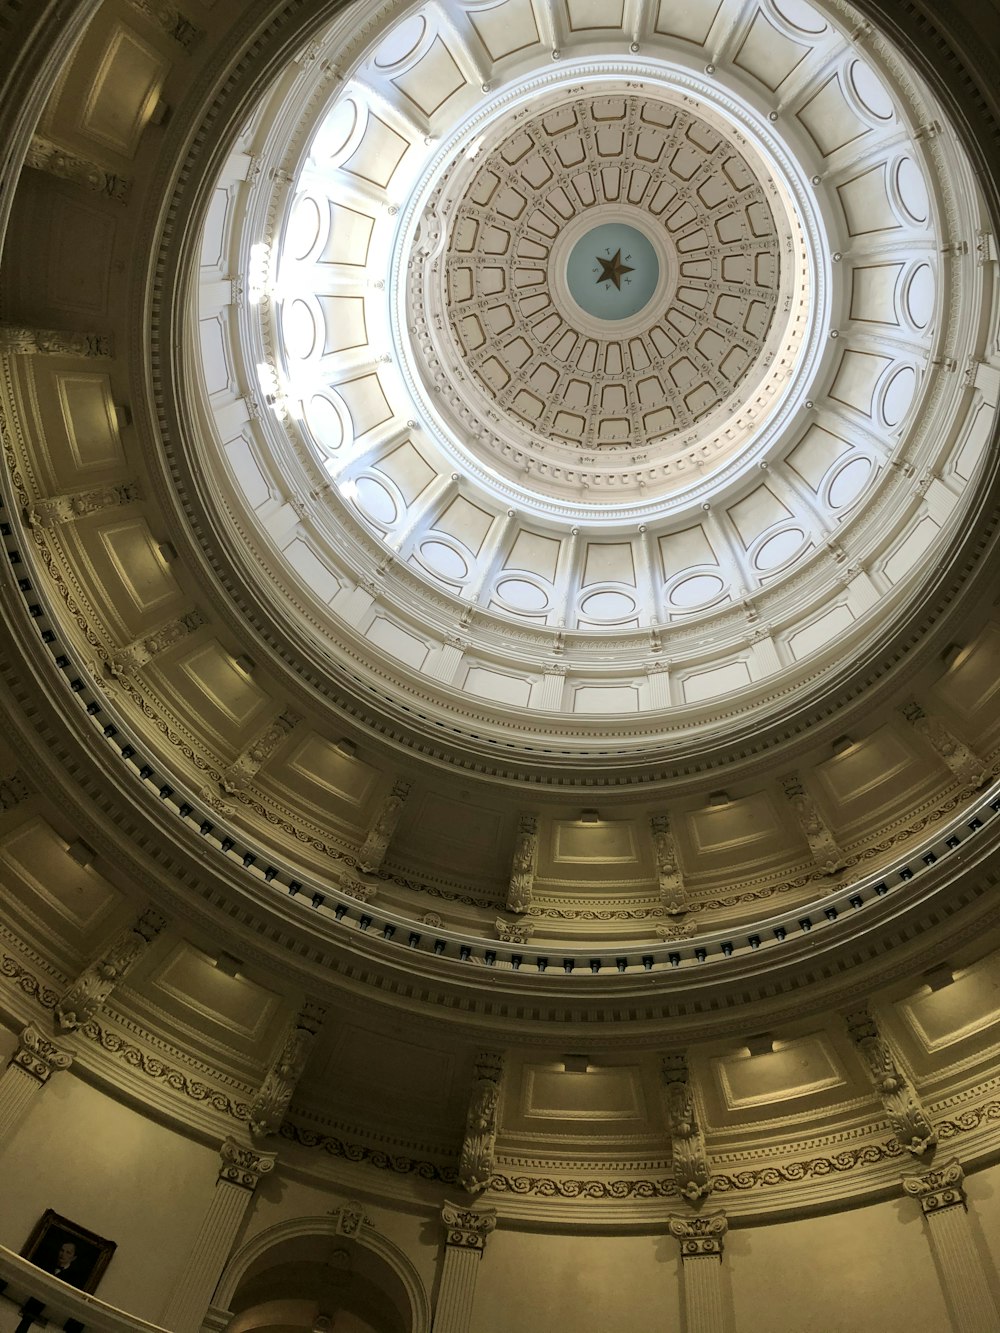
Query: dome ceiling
{"type": "Point", "coordinates": [511, 508]}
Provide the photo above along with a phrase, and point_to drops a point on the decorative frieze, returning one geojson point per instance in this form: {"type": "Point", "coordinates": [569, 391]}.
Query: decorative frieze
{"type": "Point", "coordinates": [902, 1105]}
{"type": "Point", "coordinates": [357, 888]}
{"type": "Point", "coordinates": [822, 845]}
{"type": "Point", "coordinates": [676, 930]}
{"type": "Point", "coordinates": [54, 160]}
{"type": "Point", "coordinates": [134, 656]}
{"type": "Point", "coordinates": [468, 1228]}
{"type": "Point", "coordinates": [386, 821]}
{"type": "Point", "coordinates": [46, 513]}
{"type": "Point", "coordinates": [95, 983]}
{"type": "Point", "coordinates": [668, 873]}
{"type": "Point", "coordinates": [247, 765]}
{"type": "Point", "coordinates": [268, 1108]}
{"type": "Point", "coordinates": [19, 340]}
{"type": "Point", "coordinates": [38, 1056]}
{"type": "Point", "coordinates": [170, 20]}
{"type": "Point", "coordinates": [701, 1236]}
{"type": "Point", "coordinates": [514, 932]}
{"type": "Point", "coordinates": [686, 1139]}
{"type": "Point", "coordinates": [523, 865]}
{"type": "Point", "coordinates": [971, 770]}
{"type": "Point", "coordinates": [479, 1146]}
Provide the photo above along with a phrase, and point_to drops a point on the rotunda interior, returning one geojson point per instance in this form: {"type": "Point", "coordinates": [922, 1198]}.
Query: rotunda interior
{"type": "Point", "coordinates": [500, 776]}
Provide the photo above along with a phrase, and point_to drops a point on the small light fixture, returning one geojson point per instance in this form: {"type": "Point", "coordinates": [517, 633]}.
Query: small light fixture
{"type": "Point", "coordinates": [245, 664]}
{"type": "Point", "coordinates": [589, 817]}
{"type": "Point", "coordinates": [347, 748]}
{"type": "Point", "coordinates": [842, 744]}
{"type": "Point", "coordinates": [761, 1044]}
{"type": "Point", "coordinates": [718, 800]}
{"type": "Point", "coordinates": [81, 852]}
{"type": "Point", "coordinates": [228, 965]}
{"type": "Point", "coordinates": [952, 655]}
{"type": "Point", "coordinates": [576, 1064]}
{"type": "Point", "coordinates": [939, 977]}
{"type": "Point", "coordinates": [168, 552]}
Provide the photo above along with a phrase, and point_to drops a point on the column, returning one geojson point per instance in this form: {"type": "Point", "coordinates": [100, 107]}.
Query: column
{"type": "Point", "coordinates": [701, 1265]}
{"type": "Point", "coordinates": [241, 1169]}
{"type": "Point", "coordinates": [966, 1288]}
{"type": "Point", "coordinates": [31, 1066]}
{"type": "Point", "coordinates": [465, 1239]}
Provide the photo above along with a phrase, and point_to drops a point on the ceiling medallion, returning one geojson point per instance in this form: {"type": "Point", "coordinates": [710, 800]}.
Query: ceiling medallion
{"type": "Point", "coordinates": [613, 279]}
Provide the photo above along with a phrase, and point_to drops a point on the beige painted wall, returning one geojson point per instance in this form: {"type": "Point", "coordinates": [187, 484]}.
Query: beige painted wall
{"type": "Point", "coordinates": [866, 1270]}
{"type": "Point", "coordinates": [583, 1284]}
{"type": "Point", "coordinates": [115, 1172]}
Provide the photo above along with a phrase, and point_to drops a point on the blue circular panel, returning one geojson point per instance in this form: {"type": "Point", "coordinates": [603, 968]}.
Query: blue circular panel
{"type": "Point", "coordinates": [612, 271]}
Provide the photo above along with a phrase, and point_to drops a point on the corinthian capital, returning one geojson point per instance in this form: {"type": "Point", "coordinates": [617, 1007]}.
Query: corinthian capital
{"type": "Point", "coordinates": [700, 1236]}
{"type": "Point", "coordinates": [38, 1056]}
{"type": "Point", "coordinates": [468, 1228]}
{"type": "Point", "coordinates": [938, 1188]}
{"type": "Point", "coordinates": [244, 1166]}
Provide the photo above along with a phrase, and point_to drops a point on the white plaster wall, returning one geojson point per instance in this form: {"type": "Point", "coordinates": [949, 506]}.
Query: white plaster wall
{"type": "Point", "coordinates": [114, 1172]}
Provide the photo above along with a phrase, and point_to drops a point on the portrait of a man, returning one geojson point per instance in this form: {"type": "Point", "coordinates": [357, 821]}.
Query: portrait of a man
{"type": "Point", "coordinates": [68, 1251]}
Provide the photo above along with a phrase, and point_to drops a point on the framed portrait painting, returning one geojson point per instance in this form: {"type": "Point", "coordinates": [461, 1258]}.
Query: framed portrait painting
{"type": "Point", "coordinates": [69, 1251]}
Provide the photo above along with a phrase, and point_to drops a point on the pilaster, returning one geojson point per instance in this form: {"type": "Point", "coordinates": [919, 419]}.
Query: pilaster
{"type": "Point", "coordinates": [239, 1174]}
{"type": "Point", "coordinates": [966, 1288]}
{"type": "Point", "coordinates": [31, 1066]}
{"type": "Point", "coordinates": [701, 1241]}
{"type": "Point", "coordinates": [466, 1232]}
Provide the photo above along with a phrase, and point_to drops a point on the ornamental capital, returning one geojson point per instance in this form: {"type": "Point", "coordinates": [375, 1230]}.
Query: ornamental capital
{"type": "Point", "coordinates": [939, 1188]}
{"type": "Point", "coordinates": [38, 1056]}
{"type": "Point", "coordinates": [468, 1228]}
{"type": "Point", "coordinates": [244, 1166]}
{"type": "Point", "coordinates": [700, 1236]}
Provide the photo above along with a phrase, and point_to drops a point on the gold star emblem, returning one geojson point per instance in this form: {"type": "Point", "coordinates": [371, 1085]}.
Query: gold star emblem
{"type": "Point", "coordinates": [613, 270]}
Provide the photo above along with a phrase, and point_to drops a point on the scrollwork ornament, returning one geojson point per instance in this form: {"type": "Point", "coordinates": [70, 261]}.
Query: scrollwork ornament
{"type": "Point", "coordinates": [478, 1148]}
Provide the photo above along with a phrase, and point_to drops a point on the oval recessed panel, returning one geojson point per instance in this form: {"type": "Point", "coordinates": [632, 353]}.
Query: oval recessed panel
{"type": "Point", "coordinates": [607, 605]}
{"type": "Point", "coordinates": [298, 324]}
{"type": "Point", "coordinates": [898, 395]}
{"type": "Point", "coordinates": [849, 482]}
{"type": "Point", "coordinates": [912, 190]}
{"type": "Point", "coordinates": [871, 91]}
{"type": "Point", "coordinates": [920, 296]}
{"type": "Point", "coordinates": [375, 500]}
{"type": "Point", "coordinates": [324, 421]}
{"type": "Point", "coordinates": [337, 130]}
{"type": "Point", "coordinates": [779, 549]}
{"type": "Point", "coordinates": [797, 14]}
{"type": "Point", "coordinates": [522, 595]}
{"type": "Point", "coordinates": [698, 590]}
{"type": "Point", "coordinates": [401, 42]}
{"type": "Point", "coordinates": [303, 227]}
{"type": "Point", "coordinates": [443, 560]}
